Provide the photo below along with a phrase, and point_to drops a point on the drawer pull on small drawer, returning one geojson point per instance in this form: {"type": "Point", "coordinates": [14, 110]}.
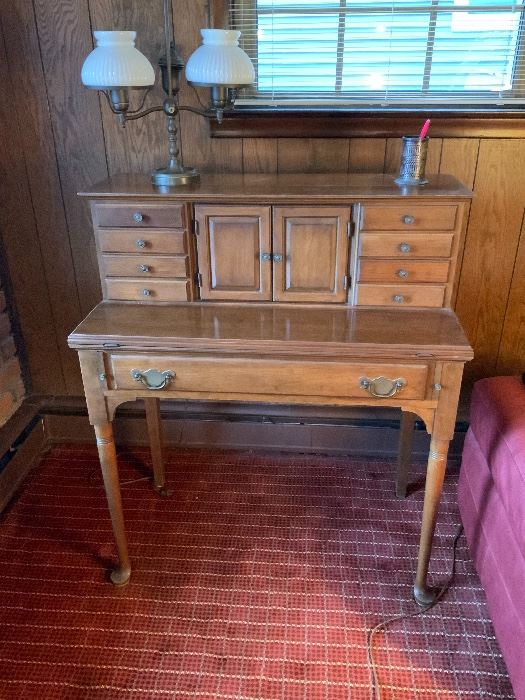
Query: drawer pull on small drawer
{"type": "Point", "coordinates": [137, 217]}
{"type": "Point", "coordinates": [405, 247]}
{"type": "Point", "coordinates": [144, 268]}
{"type": "Point", "coordinates": [403, 274]}
{"type": "Point", "coordinates": [407, 219]}
{"type": "Point", "coordinates": [398, 298]}
{"type": "Point", "coordinates": [141, 243]}
{"type": "Point", "coordinates": [381, 387]}
{"type": "Point", "coordinates": [153, 378]}
{"type": "Point", "coordinates": [146, 292]}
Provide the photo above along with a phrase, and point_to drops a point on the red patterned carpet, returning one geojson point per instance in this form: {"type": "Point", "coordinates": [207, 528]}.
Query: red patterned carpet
{"type": "Point", "coordinates": [256, 580]}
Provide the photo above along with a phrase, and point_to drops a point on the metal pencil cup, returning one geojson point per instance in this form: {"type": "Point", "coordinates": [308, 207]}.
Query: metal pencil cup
{"type": "Point", "coordinates": [413, 161]}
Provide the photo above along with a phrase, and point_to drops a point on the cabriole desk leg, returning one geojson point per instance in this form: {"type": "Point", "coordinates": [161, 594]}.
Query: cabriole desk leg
{"type": "Point", "coordinates": [108, 462]}
{"type": "Point", "coordinates": [437, 462]}
{"type": "Point", "coordinates": [404, 460]}
{"type": "Point", "coordinates": [155, 441]}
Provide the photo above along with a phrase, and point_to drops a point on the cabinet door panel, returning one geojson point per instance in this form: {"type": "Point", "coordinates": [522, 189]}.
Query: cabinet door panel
{"type": "Point", "coordinates": [231, 245]}
{"type": "Point", "coordinates": [313, 243]}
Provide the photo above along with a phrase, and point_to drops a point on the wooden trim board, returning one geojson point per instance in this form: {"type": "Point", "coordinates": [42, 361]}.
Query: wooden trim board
{"type": "Point", "coordinates": [366, 436]}
{"type": "Point", "coordinates": [24, 459]}
{"type": "Point", "coordinates": [275, 123]}
{"type": "Point", "coordinates": [354, 432]}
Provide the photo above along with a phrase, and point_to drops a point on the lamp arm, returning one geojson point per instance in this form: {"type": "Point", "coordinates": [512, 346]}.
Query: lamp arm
{"type": "Point", "coordinates": [137, 115]}
{"type": "Point", "coordinates": [118, 102]}
{"type": "Point", "coordinates": [209, 113]}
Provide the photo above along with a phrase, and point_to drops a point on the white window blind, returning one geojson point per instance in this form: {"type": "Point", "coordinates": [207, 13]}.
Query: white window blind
{"type": "Point", "coordinates": [405, 53]}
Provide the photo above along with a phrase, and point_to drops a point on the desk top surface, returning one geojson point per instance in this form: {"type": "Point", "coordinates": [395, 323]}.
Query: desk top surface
{"type": "Point", "coordinates": [278, 187]}
{"type": "Point", "coordinates": [274, 329]}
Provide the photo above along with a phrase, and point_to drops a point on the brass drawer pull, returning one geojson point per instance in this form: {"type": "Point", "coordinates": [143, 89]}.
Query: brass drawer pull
{"type": "Point", "coordinates": [141, 243]}
{"type": "Point", "coordinates": [153, 378]}
{"type": "Point", "coordinates": [277, 258]}
{"type": "Point", "coordinates": [144, 268]}
{"type": "Point", "coordinates": [398, 298]}
{"type": "Point", "coordinates": [266, 256]}
{"type": "Point", "coordinates": [407, 219]}
{"type": "Point", "coordinates": [137, 217]}
{"type": "Point", "coordinates": [381, 387]}
{"type": "Point", "coordinates": [405, 247]}
{"type": "Point", "coordinates": [403, 274]}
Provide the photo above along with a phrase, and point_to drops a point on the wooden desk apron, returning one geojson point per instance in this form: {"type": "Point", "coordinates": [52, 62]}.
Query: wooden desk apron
{"type": "Point", "coordinates": [320, 355]}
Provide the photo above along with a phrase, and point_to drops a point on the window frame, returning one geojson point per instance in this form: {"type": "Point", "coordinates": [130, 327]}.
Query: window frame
{"type": "Point", "coordinates": [344, 122]}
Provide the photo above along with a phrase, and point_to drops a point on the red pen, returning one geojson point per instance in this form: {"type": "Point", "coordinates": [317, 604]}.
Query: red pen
{"type": "Point", "coordinates": [424, 130]}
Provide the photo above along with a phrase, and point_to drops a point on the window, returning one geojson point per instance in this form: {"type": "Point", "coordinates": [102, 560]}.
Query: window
{"type": "Point", "coordinates": [375, 54]}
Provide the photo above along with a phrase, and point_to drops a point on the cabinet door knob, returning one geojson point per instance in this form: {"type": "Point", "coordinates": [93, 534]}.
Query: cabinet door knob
{"type": "Point", "coordinates": [407, 219]}
{"type": "Point", "coordinates": [146, 292]}
{"type": "Point", "coordinates": [266, 256]}
{"type": "Point", "coordinates": [137, 217]}
{"type": "Point", "coordinates": [405, 247]}
{"type": "Point", "coordinates": [141, 243]}
{"type": "Point", "coordinates": [403, 274]}
{"type": "Point", "coordinates": [398, 298]}
{"type": "Point", "coordinates": [144, 268]}
{"type": "Point", "coordinates": [277, 257]}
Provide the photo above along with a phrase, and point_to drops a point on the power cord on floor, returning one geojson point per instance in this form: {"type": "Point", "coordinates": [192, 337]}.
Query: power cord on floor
{"type": "Point", "coordinates": [376, 687]}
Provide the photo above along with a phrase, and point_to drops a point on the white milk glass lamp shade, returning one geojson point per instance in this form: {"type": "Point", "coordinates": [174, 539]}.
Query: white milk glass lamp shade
{"type": "Point", "coordinates": [116, 63]}
{"type": "Point", "coordinates": [220, 61]}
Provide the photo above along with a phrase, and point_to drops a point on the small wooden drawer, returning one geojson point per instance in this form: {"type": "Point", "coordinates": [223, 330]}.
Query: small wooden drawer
{"type": "Point", "coordinates": [251, 377]}
{"type": "Point", "coordinates": [406, 245]}
{"type": "Point", "coordinates": [128, 289]}
{"type": "Point", "coordinates": [128, 241]}
{"type": "Point", "coordinates": [394, 271]}
{"type": "Point", "coordinates": [144, 266]}
{"type": "Point", "coordinates": [139, 215]}
{"type": "Point", "coordinates": [409, 217]}
{"type": "Point", "coordinates": [399, 295]}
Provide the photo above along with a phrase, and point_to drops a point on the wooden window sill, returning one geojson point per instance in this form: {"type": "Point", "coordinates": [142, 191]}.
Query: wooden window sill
{"type": "Point", "coordinates": [286, 123]}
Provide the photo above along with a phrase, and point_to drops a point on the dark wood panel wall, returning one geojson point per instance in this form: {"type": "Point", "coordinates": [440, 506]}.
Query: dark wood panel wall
{"type": "Point", "coordinates": [58, 138]}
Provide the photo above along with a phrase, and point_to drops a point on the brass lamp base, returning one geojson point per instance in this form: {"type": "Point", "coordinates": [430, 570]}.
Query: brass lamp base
{"type": "Point", "coordinates": [166, 177]}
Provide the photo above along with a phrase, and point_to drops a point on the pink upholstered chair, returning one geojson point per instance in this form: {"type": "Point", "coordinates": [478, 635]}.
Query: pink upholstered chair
{"type": "Point", "coordinates": [491, 496]}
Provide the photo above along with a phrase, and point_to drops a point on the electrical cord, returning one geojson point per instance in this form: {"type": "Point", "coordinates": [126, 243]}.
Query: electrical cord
{"type": "Point", "coordinates": [376, 687]}
{"type": "Point", "coordinates": [205, 107]}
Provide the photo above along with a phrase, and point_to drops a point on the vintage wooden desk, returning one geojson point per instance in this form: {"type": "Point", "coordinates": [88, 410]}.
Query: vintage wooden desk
{"type": "Point", "coordinates": [320, 290]}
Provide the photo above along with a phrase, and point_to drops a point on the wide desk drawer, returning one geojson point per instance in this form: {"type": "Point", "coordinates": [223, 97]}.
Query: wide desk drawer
{"type": "Point", "coordinates": [409, 217]}
{"type": "Point", "coordinates": [144, 266]}
{"type": "Point", "coordinates": [257, 377]}
{"type": "Point", "coordinates": [129, 241]}
{"type": "Point", "coordinates": [139, 215]}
